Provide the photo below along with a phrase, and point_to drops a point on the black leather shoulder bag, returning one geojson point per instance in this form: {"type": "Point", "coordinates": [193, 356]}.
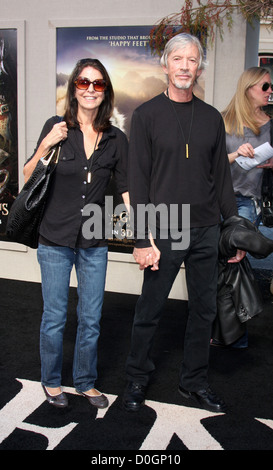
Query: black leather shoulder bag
{"type": "Point", "coordinates": [26, 212]}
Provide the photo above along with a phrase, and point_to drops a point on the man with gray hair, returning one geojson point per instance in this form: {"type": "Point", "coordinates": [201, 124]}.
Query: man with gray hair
{"type": "Point", "coordinates": [177, 157]}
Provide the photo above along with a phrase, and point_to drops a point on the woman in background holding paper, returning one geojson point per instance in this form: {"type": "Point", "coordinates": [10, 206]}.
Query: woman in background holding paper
{"type": "Point", "coordinates": [249, 145]}
{"type": "Point", "coordinates": [248, 127]}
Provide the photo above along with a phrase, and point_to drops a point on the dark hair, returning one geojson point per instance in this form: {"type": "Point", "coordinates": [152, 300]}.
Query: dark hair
{"type": "Point", "coordinates": [102, 120]}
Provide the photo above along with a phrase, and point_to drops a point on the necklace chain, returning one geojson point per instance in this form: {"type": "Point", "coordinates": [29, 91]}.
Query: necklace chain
{"type": "Point", "coordinates": [179, 123]}
{"type": "Point", "coordinates": [89, 174]}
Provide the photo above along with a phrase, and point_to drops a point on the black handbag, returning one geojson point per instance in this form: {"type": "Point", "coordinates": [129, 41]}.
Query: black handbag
{"type": "Point", "coordinates": [267, 198]}
{"type": "Point", "coordinates": [26, 212]}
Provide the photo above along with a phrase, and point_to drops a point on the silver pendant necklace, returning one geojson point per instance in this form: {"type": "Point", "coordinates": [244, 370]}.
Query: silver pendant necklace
{"type": "Point", "coordinates": [89, 174]}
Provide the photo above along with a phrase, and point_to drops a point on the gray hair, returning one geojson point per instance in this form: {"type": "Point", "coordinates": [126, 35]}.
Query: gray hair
{"type": "Point", "coordinates": [182, 40]}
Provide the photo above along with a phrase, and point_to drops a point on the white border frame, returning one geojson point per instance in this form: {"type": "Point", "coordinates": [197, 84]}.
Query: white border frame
{"type": "Point", "coordinates": [21, 112]}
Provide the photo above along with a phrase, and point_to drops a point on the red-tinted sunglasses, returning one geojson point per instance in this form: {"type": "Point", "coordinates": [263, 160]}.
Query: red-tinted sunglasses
{"type": "Point", "coordinates": [84, 84]}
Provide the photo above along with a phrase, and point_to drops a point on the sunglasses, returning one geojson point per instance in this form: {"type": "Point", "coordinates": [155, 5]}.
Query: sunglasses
{"type": "Point", "coordinates": [267, 85]}
{"type": "Point", "coordinates": [84, 84]}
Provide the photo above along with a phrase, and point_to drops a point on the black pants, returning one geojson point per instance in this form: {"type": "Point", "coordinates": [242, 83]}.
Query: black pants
{"type": "Point", "coordinates": [201, 261]}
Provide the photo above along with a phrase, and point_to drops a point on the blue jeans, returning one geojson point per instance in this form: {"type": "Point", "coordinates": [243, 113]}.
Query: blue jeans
{"type": "Point", "coordinates": [247, 208]}
{"type": "Point", "coordinates": [56, 264]}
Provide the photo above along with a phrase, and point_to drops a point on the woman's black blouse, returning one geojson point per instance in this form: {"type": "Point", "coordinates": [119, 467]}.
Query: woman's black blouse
{"type": "Point", "coordinates": [70, 192]}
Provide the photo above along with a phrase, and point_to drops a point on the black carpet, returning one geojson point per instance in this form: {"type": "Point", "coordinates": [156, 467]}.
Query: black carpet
{"type": "Point", "coordinates": [167, 424]}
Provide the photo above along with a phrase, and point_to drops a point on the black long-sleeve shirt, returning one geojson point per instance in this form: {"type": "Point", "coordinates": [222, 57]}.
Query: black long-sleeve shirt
{"type": "Point", "coordinates": [70, 193]}
{"type": "Point", "coordinates": [160, 173]}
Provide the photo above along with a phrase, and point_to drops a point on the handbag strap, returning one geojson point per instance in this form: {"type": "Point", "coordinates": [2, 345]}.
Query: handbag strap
{"type": "Point", "coordinates": [53, 155]}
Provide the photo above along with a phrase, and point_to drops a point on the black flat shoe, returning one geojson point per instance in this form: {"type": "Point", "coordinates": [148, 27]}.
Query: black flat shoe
{"type": "Point", "coordinates": [60, 401]}
{"type": "Point", "coordinates": [206, 399]}
{"type": "Point", "coordinates": [134, 396]}
{"type": "Point", "coordinates": [99, 401]}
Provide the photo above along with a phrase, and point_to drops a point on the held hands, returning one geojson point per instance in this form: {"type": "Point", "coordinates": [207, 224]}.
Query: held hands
{"type": "Point", "coordinates": [149, 256]}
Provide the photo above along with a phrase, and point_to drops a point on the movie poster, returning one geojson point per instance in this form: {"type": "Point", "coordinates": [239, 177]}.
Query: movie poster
{"type": "Point", "coordinates": [135, 73]}
{"type": "Point", "coordinates": [8, 125]}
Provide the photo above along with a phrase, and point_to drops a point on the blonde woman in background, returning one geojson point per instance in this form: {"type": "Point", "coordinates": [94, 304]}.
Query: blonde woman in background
{"type": "Point", "coordinates": [248, 126]}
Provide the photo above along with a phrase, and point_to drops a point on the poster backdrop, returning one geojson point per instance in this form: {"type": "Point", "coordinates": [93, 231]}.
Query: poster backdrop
{"type": "Point", "coordinates": [8, 124]}
{"type": "Point", "coordinates": [135, 73]}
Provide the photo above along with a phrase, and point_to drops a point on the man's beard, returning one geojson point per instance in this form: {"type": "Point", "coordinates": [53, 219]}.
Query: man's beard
{"type": "Point", "coordinates": [183, 86]}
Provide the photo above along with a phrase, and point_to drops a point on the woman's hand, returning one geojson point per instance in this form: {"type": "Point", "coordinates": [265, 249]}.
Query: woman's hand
{"type": "Point", "coordinates": [245, 150]}
{"type": "Point", "coordinates": [149, 256]}
{"type": "Point", "coordinates": [57, 133]}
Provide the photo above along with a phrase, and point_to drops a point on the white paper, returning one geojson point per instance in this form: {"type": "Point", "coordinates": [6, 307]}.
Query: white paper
{"type": "Point", "coordinates": [262, 153]}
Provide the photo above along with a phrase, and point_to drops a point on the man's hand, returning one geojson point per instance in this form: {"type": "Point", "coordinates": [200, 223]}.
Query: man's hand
{"type": "Point", "coordinates": [147, 257]}
{"type": "Point", "coordinates": [267, 164]}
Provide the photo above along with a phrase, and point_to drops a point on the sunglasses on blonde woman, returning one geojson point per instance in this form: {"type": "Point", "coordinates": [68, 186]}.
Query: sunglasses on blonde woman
{"type": "Point", "coordinates": [84, 84]}
{"type": "Point", "coordinates": [267, 85]}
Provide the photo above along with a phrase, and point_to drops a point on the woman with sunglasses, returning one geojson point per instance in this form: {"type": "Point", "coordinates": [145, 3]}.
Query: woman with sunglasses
{"type": "Point", "coordinates": [248, 126]}
{"type": "Point", "coordinates": [92, 150]}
